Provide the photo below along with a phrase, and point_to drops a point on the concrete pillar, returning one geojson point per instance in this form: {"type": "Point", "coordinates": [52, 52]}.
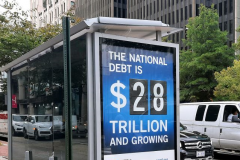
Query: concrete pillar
{"type": "Point", "coordinates": [194, 8]}
{"type": "Point", "coordinates": [31, 109]}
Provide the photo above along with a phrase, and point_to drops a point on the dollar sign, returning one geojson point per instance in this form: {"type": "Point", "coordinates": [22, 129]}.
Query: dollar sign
{"type": "Point", "coordinates": [119, 96]}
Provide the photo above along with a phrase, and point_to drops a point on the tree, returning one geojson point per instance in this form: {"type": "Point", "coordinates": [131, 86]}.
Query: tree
{"type": "Point", "coordinates": [237, 45]}
{"type": "Point", "coordinates": [18, 34]}
{"type": "Point", "coordinates": [207, 54]}
{"type": "Point", "coordinates": [228, 87]}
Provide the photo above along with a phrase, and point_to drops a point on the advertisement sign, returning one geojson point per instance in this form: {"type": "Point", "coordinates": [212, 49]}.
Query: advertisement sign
{"type": "Point", "coordinates": [138, 101]}
{"type": "Point", "coordinates": [14, 101]}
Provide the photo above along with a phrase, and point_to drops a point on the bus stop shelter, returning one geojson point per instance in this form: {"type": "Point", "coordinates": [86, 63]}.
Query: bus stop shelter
{"type": "Point", "coordinates": [123, 94]}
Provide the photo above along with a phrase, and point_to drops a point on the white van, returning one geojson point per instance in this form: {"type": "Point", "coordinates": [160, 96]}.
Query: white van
{"type": "Point", "coordinates": [210, 118]}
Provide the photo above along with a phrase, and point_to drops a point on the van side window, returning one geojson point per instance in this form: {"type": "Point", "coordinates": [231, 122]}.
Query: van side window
{"type": "Point", "coordinates": [227, 111]}
{"type": "Point", "coordinates": [200, 112]}
{"type": "Point", "coordinates": [212, 113]}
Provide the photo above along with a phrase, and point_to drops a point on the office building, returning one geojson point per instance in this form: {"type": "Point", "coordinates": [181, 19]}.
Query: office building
{"type": "Point", "coordinates": [50, 11]}
{"type": "Point", "coordinates": [106, 8]}
{"type": "Point", "coordinates": [177, 12]}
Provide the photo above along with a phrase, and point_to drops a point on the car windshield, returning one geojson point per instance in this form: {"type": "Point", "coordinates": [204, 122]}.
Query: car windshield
{"type": "Point", "coordinates": [19, 118]}
{"type": "Point", "coordinates": [43, 118]}
{"type": "Point", "coordinates": [182, 127]}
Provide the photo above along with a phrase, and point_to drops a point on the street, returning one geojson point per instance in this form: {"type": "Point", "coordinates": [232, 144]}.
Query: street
{"type": "Point", "coordinates": [225, 157]}
{"type": "Point", "coordinates": [79, 149]}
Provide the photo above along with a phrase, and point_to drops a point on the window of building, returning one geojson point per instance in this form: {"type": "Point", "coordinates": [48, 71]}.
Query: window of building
{"type": "Point", "coordinates": [165, 4]}
{"type": "Point", "coordinates": [186, 15]}
{"type": "Point", "coordinates": [44, 3]}
{"type": "Point", "coordinates": [169, 4]}
{"type": "Point", "coordinates": [173, 38]}
{"type": "Point", "coordinates": [144, 12]}
{"type": "Point", "coordinates": [225, 7]}
{"type": "Point", "coordinates": [165, 18]}
{"type": "Point", "coordinates": [119, 12]}
{"type": "Point", "coordinates": [181, 14]}
{"type": "Point", "coordinates": [154, 7]}
{"type": "Point", "coordinates": [230, 43]}
{"type": "Point", "coordinates": [115, 11]}
{"type": "Point", "coordinates": [119, 1]}
{"type": "Point", "coordinates": [161, 5]}
{"type": "Point", "coordinates": [64, 7]}
{"type": "Point", "coordinates": [225, 25]}
{"type": "Point", "coordinates": [177, 16]}
{"type": "Point", "coordinates": [220, 9]}
{"type": "Point", "coordinates": [147, 10]}
{"type": "Point", "coordinates": [230, 26]}
{"type": "Point", "coordinates": [124, 13]}
{"type": "Point", "coordinates": [177, 37]}
{"type": "Point", "coordinates": [72, 3]}
{"type": "Point", "coordinates": [215, 6]}
{"type": "Point", "coordinates": [212, 113]}
{"type": "Point", "coordinates": [200, 112]}
{"type": "Point", "coordinates": [197, 9]}
{"type": "Point", "coordinates": [176, 1]}
{"type": "Point", "coordinates": [173, 20]}
{"type": "Point", "coordinates": [157, 5]}
{"type": "Point", "coordinates": [220, 26]}
{"type": "Point", "coordinates": [124, 1]}
{"type": "Point", "coordinates": [230, 6]}
{"type": "Point", "coordinates": [190, 10]}
{"type": "Point", "coordinates": [169, 18]}
{"type": "Point", "coordinates": [150, 9]}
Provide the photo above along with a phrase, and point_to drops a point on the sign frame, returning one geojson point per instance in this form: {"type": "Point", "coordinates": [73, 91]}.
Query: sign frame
{"type": "Point", "coordinates": [97, 91]}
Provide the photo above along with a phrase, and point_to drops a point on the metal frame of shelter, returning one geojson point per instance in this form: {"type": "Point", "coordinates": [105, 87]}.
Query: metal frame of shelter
{"type": "Point", "coordinates": [142, 31]}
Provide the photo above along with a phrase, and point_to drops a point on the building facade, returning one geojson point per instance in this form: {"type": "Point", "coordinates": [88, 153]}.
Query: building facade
{"type": "Point", "coordinates": [49, 11]}
{"type": "Point", "coordinates": [106, 8]}
{"type": "Point", "coordinates": [177, 12]}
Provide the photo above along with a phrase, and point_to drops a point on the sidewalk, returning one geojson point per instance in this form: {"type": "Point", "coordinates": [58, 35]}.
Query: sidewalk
{"type": "Point", "coordinates": [3, 150]}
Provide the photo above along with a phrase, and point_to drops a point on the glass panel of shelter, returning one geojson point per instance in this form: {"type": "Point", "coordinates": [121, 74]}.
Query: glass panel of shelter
{"type": "Point", "coordinates": [38, 87]}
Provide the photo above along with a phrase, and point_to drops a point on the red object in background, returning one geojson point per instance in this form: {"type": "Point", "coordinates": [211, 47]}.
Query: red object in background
{"type": "Point", "coordinates": [3, 116]}
{"type": "Point", "coordinates": [14, 101]}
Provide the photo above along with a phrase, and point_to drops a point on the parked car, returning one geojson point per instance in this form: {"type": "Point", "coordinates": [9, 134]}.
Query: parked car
{"type": "Point", "coordinates": [210, 118]}
{"type": "Point", "coordinates": [38, 126]}
{"type": "Point", "coordinates": [58, 125]}
{"type": "Point", "coordinates": [17, 123]}
{"type": "Point", "coordinates": [3, 124]}
{"type": "Point", "coordinates": [194, 145]}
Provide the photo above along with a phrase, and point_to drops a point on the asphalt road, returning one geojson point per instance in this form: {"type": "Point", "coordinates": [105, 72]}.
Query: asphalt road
{"type": "Point", "coordinates": [226, 157]}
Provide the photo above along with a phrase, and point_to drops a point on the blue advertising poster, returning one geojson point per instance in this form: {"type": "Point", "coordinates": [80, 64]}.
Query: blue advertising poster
{"type": "Point", "coordinates": [138, 101]}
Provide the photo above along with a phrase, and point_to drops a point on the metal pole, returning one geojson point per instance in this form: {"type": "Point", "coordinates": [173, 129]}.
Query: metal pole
{"type": "Point", "coordinates": [67, 87]}
{"type": "Point", "coordinates": [9, 106]}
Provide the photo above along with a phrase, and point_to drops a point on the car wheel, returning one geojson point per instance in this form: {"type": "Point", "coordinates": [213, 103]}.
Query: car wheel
{"type": "Point", "coordinates": [13, 132]}
{"type": "Point", "coordinates": [25, 133]}
{"type": "Point", "coordinates": [36, 137]}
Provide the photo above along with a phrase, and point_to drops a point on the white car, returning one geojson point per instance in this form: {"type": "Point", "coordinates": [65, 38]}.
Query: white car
{"type": "Point", "coordinates": [211, 118]}
{"type": "Point", "coordinates": [38, 126]}
{"type": "Point", "coordinates": [17, 123]}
